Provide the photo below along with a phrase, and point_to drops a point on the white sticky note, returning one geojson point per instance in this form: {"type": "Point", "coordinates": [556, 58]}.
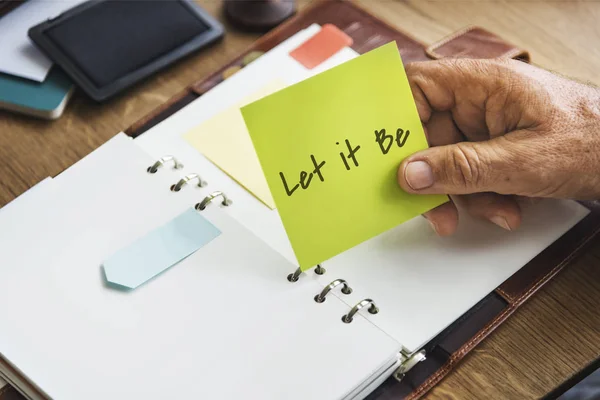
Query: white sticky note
{"type": "Point", "coordinates": [159, 250]}
{"type": "Point", "coordinates": [18, 55]}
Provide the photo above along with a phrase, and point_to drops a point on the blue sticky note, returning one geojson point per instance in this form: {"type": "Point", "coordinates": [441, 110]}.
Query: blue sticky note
{"type": "Point", "coordinates": [159, 250]}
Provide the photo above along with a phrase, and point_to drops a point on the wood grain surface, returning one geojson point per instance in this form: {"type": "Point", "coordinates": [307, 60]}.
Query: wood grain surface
{"type": "Point", "coordinates": [550, 338]}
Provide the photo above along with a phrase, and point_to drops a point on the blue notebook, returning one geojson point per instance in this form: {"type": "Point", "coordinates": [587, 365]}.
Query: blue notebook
{"type": "Point", "coordinates": [40, 99]}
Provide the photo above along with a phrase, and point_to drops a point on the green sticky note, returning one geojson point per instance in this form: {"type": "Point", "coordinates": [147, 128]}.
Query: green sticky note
{"type": "Point", "coordinates": [330, 147]}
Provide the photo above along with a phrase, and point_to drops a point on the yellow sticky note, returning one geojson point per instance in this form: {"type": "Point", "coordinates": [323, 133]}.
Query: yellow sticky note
{"type": "Point", "coordinates": [330, 147]}
{"type": "Point", "coordinates": [224, 140]}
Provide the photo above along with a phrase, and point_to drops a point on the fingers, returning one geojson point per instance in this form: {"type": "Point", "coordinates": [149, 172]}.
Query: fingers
{"type": "Point", "coordinates": [484, 97]}
{"type": "Point", "coordinates": [504, 211]}
{"type": "Point", "coordinates": [458, 86]}
{"type": "Point", "coordinates": [441, 130]}
{"type": "Point", "coordinates": [443, 219]}
{"type": "Point", "coordinates": [498, 165]}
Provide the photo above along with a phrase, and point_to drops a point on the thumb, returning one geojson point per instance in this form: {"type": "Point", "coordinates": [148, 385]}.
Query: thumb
{"type": "Point", "coordinates": [464, 168]}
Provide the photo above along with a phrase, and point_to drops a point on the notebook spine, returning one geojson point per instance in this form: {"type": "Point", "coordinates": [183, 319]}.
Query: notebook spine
{"type": "Point", "coordinates": [186, 180]}
{"type": "Point", "coordinates": [346, 289]}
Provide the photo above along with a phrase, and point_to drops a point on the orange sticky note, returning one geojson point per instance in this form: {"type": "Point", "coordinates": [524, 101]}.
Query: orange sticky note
{"type": "Point", "coordinates": [321, 46]}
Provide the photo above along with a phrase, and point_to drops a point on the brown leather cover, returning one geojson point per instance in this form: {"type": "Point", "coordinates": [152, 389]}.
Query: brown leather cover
{"type": "Point", "coordinates": [446, 350]}
{"type": "Point", "coordinates": [475, 42]}
{"type": "Point", "coordinates": [10, 393]}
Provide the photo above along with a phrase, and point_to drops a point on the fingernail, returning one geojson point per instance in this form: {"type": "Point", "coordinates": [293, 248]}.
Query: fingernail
{"type": "Point", "coordinates": [501, 222]}
{"type": "Point", "coordinates": [418, 175]}
{"type": "Point", "coordinates": [432, 224]}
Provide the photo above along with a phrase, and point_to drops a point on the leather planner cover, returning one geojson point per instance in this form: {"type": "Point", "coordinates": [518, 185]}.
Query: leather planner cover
{"type": "Point", "coordinates": [368, 32]}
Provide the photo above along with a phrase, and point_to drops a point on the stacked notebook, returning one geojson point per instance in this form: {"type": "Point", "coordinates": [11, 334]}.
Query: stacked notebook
{"type": "Point", "coordinates": [29, 83]}
{"type": "Point", "coordinates": [236, 318]}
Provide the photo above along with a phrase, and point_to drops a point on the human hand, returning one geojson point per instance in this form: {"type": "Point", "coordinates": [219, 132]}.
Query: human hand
{"type": "Point", "coordinates": [501, 131]}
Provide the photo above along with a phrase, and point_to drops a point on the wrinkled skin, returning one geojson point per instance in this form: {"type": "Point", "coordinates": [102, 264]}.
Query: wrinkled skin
{"type": "Point", "coordinates": [501, 132]}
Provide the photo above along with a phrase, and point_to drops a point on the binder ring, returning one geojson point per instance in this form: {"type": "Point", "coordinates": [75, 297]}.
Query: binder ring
{"type": "Point", "coordinates": [184, 181]}
{"type": "Point", "coordinates": [361, 304]}
{"type": "Point", "coordinates": [293, 277]}
{"type": "Point", "coordinates": [161, 161]}
{"type": "Point", "coordinates": [345, 289]}
{"type": "Point", "coordinates": [208, 199]}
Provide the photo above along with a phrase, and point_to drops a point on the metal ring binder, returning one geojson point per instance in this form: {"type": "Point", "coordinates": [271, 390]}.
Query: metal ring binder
{"type": "Point", "coordinates": [293, 277]}
{"type": "Point", "coordinates": [345, 289]}
{"type": "Point", "coordinates": [361, 304]}
{"type": "Point", "coordinates": [407, 363]}
{"type": "Point", "coordinates": [161, 161]}
{"type": "Point", "coordinates": [185, 180]}
{"type": "Point", "coordinates": [319, 270]}
{"type": "Point", "coordinates": [211, 197]}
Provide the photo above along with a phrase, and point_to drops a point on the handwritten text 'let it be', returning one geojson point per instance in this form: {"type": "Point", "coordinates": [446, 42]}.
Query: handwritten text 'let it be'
{"type": "Point", "coordinates": [384, 140]}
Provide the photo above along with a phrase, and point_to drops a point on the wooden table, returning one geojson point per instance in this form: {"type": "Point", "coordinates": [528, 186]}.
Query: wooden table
{"type": "Point", "coordinates": [552, 337]}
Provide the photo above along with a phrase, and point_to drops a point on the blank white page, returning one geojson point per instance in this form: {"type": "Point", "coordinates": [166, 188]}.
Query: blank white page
{"type": "Point", "coordinates": [224, 323]}
{"type": "Point", "coordinates": [12, 215]}
{"type": "Point", "coordinates": [422, 283]}
{"type": "Point", "coordinates": [28, 196]}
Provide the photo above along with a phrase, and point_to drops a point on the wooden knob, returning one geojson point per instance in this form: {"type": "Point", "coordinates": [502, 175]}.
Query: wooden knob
{"type": "Point", "coordinates": [258, 15]}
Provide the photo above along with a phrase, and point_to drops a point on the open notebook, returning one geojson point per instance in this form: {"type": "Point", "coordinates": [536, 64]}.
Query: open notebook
{"type": "Point", "coordinates": [393, 267]}
{"type": "Point", "coordinates": [226, 312]}
{"type": "Point", "coordinates": [226, 322]}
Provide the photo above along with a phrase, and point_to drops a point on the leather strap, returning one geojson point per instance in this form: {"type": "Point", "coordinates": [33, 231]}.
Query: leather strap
{"type": "Point", "coordinates": [475, 42]}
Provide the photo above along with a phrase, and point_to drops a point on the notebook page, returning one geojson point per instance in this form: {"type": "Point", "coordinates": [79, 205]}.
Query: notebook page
{"type": "Point", "coordinates": [227, 312]}
{"type": "Point", "coordinates": [21, 204]}
{"type": "Point", "coordinates": [30, 193]}
{"type": "Point", "coordinates": [431, 281]}
{"type": "Point", "coordinates": [12, 214]}
{"type": "Point", "coordinates": [408, 270]}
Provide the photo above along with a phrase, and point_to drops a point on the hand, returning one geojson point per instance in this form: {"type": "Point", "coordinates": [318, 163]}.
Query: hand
{"type": "Point", "coordinates": [501, 131]}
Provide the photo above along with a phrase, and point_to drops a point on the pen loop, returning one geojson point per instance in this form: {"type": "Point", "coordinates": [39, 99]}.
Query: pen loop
{"type": "Point", "coordinates": [361, 304]}
{"type": "Point", "coordinates": [211, 197]}
{"type": "Point", "coordinates": [161, 161]}
{"type": "Point", "coordinates": [345, 289]}
{"type": "Point", "coordinates": [185, 180]}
